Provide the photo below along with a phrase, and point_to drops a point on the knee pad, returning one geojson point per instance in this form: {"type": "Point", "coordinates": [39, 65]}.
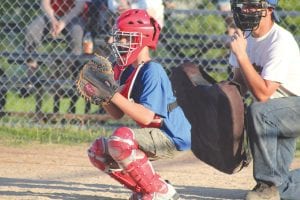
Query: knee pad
{"type": "Point", "coordinates": [255, 112]}
{"type": "Point", "coordinates": [98, 154]}
{"type": "Point", "coordinates": [100, 158]}
{"type": "Point", "coordinates": [122, 144]}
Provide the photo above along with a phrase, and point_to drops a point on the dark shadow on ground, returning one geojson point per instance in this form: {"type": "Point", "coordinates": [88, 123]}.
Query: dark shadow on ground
{"type": "Point", "coordinates": [66, 189]}
{"type": "Point", "coordinates": [70, 190]}
{"type": "Point", "coordinates": [208, 193]}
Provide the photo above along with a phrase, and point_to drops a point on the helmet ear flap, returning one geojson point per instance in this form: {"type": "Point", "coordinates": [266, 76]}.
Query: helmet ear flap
{"type": "Point", "coordinates": [156, 31]}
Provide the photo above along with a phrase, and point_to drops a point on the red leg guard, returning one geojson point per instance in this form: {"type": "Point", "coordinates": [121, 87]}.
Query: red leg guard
{"type": "Point", "coordinates": [125, 179]}
{"type": "Point", "coordinates": [99, 157]}
{"type": "Point", "coordinates": [124, 149]}
{"type": "Point", "coordinates": [143, 173]}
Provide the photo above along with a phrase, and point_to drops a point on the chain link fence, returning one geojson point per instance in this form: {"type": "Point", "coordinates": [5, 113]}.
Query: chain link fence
{"type": "Point", "coordinates": [38, 67]}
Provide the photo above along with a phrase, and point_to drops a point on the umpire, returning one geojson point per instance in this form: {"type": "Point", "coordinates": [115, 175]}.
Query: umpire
{"type": "Point", "coordinates": [266, 61]}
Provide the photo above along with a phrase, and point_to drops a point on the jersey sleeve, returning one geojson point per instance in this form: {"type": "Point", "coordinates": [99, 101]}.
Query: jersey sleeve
{"type": "Point", "coordinates": [154, 94]}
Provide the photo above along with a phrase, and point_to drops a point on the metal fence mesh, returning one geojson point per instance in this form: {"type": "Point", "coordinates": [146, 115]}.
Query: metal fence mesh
{"type": "Point", "coordinates": [38, 71]}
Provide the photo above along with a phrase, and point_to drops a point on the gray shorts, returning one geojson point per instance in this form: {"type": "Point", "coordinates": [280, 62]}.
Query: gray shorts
{"type": "Point", "coordinates": [154, 143]}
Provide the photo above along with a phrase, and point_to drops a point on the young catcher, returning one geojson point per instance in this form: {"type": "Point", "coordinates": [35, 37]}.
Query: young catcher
{"type": "Point", "coordinates": [146, 96]}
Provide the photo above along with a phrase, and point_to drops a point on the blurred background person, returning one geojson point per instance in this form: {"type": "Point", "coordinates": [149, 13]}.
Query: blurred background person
{"type": "Point", "coordinates": [155, 8]}
{"type": "Point", "coordinates": [224, 6]}
{"type": "Point", "coordinates": [60, 17]}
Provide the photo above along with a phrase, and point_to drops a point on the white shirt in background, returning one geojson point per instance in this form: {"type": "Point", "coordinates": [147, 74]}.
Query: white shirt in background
{"type": "Point", "coordinates": [155, 8]}
{"type": "Point", "coordinates": [277, 57]}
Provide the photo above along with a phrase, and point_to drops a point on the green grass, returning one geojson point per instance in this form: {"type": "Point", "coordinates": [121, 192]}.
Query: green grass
{"type": "Point", "coordinates": [15, 136]}
{"type": "Point", "coordinates": [65, 135]}
{"type": "Point", "coordinates": [298, 147]}
{"type": "Point", "coordinates": [68, 135]}
{"type": "Point", "coordinates": [17, 104]}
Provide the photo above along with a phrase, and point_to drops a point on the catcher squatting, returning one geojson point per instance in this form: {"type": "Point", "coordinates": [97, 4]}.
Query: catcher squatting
{"type": "Point", "coordinates": [140, 88]}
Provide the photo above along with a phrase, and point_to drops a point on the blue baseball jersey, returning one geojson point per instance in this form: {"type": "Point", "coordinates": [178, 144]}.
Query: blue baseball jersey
{"type": "Point", "coordinates": [152, 88]}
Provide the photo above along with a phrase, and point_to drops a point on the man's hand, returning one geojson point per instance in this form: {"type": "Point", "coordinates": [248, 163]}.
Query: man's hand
{"type": "Point", "coordinates": [57, 28]}
{"type": "Point", "coordinates": [238, 44]}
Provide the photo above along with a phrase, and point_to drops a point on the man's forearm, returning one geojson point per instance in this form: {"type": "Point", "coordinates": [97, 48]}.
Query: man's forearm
{"type": "Point", "coordinates": [256, 84]}
{"type": "Point", "coordinates": [46, 7]}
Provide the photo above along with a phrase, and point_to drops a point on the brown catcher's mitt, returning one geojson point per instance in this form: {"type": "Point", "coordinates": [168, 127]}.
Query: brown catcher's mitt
{"type": "Point", "coordinates": [96, 81]}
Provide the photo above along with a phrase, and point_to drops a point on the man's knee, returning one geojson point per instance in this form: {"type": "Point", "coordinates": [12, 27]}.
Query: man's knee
{"type": "Point", "coordinates": [256, 117]}
{"type": "Point", "coordinates": [122, 144]}
{"type": "Point", "coordinates": [255, 110]}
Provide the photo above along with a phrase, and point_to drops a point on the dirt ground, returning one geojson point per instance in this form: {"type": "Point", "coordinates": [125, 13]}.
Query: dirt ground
{"type": "Point", "coordinates": [64, 172]}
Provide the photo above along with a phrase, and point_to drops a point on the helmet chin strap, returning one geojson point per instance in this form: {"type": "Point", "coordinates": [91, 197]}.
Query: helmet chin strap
{"type": "Point", "coordinates": [250, 32]}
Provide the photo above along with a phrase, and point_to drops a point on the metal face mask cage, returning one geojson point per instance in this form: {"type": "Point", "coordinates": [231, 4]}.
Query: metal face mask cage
{"type": "Point", "coordinates": [126, 52]}
{"type": "Point", "coordinates": [248, 21]}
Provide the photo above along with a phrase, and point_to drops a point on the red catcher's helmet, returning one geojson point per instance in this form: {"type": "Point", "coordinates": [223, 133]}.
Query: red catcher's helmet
{"type": "Point", "coordinates": [139, 29]}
